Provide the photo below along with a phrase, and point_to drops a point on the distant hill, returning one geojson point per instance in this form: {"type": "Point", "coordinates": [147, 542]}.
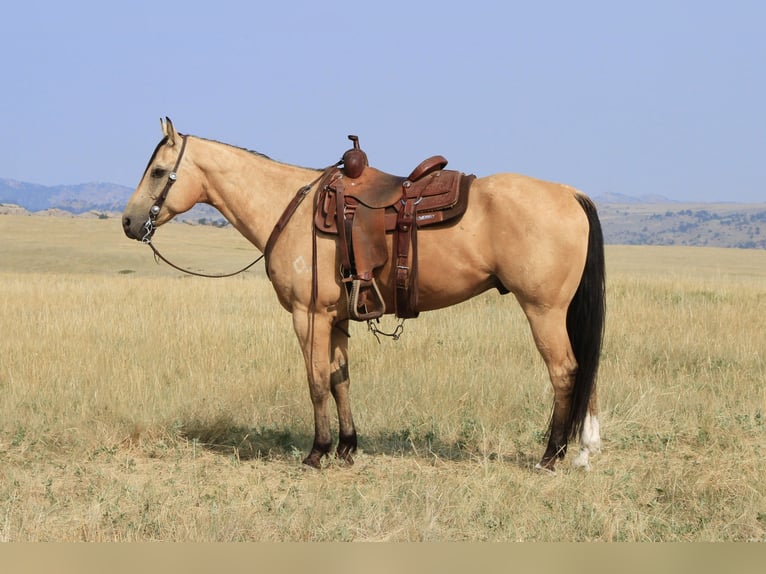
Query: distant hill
{"type": "Point", "coordinates": [623, 199]}
{"type": "Point", "coordinates": [627, 220]}
{"type": "Point", "coordinates": [77, 198]}
{"type": "Point", "coordinates": [739, 225]}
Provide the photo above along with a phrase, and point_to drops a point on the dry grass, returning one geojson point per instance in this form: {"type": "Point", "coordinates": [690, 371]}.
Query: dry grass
{"type": "Point", "coordinates": [143, 405]}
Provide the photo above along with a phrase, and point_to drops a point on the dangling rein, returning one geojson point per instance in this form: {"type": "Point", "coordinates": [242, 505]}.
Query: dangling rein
{"type": "Point", "coordinates": [158, 255]}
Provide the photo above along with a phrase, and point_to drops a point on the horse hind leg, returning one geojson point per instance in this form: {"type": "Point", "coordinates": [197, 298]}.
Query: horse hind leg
{"type": "Point", "coordinates": [550, 335]}
{"type": "Point", "coordinates": [590, 436]}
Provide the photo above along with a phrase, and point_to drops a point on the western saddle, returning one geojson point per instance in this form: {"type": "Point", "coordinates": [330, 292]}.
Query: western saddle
{"type": "Point", "coordinates": [361, 205]}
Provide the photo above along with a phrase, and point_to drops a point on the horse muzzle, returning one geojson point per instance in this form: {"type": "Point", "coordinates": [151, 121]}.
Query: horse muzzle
{"type": "Point", "coordinates": [138, 230]}
{"type": "Point", "coordinates": [127, 227]}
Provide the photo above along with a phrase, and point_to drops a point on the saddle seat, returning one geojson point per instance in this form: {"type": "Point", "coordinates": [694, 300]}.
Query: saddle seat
{"type": "Point", "coordinates": [362, 205]}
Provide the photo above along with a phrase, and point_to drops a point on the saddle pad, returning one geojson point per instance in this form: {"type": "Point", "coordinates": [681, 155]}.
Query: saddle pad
{"type": "Point", "coordinates": [443, 196]}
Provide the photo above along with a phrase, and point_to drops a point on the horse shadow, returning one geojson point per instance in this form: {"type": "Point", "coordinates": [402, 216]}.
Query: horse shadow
{"type": "Point", "coordinates": [242, 442]}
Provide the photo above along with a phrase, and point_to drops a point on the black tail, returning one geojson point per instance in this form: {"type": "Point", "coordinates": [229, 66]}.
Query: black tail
{"type": "Point", "coordinates": [585, 321]}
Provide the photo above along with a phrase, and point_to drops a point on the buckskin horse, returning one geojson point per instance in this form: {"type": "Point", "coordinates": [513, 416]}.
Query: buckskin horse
{"type": "Point", "coordinates": [539, 240]}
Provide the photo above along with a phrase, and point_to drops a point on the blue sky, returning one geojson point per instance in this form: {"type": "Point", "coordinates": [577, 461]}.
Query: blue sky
{"type": "Point", "coordinates": [651, 97]}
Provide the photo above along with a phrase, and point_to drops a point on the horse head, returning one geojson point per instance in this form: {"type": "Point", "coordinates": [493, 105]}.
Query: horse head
{"type": "Point", "coordinates": [153, 204]}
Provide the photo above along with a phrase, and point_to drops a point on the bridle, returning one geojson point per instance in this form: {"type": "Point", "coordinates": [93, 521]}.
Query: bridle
{"type": "Point", "coordinates": [151, 223]}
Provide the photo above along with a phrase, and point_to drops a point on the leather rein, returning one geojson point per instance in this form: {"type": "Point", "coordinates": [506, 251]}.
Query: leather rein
{"type": "Point", "coordinates": [151, 223]}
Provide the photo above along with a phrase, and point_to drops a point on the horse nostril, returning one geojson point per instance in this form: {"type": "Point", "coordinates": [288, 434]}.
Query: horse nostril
{"type": "Point", "coordinates": [126, 221]}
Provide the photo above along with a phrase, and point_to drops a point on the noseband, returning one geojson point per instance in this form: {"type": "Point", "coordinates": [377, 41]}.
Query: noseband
{"type": "Point", "coordinates": [151, 224]}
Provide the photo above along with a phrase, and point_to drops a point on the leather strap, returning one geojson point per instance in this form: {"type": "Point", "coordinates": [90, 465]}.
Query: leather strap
{"type": "Point", "coordinates": [288, 213]}
{"type": "Point", "coordinates": [171, 180]}
{"type": "Point", "coordinates": [406, 235]}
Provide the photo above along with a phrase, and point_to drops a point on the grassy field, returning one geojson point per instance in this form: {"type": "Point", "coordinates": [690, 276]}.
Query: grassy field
{"type": "Point", "coordinates": [138, 404]}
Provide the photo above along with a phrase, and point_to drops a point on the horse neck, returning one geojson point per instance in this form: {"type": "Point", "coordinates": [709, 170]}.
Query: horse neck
{"type": "Point", "coordinates": [250, 190]}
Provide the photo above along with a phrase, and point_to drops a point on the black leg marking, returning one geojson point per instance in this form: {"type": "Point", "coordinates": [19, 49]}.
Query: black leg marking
{"type": "Point", "coordinates": [339, 376]}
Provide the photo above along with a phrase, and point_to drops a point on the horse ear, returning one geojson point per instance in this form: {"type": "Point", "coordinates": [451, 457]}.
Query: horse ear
{"type": "Point", "coordinates": [169, 131]}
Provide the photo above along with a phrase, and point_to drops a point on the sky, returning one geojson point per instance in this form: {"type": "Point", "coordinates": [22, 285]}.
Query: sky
{"type": "Point", "coordinates": [639, 98]}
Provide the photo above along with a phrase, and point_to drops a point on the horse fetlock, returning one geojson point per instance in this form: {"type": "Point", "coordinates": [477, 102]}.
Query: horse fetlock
{"type": "Point", "coordinates": [590, 437]}
{"type": "Point", "coordinates": [556, 449]}
{"type": "Point", "coordinates": [347, 445]}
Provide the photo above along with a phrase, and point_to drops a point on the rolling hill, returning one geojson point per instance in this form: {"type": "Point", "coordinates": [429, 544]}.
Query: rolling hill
{"type": "Point", "coordinates": [76, 199]}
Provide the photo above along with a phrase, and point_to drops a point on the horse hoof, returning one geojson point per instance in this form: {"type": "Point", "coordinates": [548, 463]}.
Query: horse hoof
{"type": "Point", "coordinates": [344, 454]}
{"type": "Point", "coordinates": [582, 460]}
{"type": "Point", "coordinates": [312, 462]}
{"type": "Point", "coordinates": [345, 458]}
{"type": "Point", "coordinates": [543, 469]}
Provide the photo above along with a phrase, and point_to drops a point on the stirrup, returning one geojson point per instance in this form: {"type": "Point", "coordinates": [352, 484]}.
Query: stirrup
{"type": "Point", "coordinates": [353, 301]}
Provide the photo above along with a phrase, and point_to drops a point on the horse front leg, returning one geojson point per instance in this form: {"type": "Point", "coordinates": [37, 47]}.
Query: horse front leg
{"type": "Point", "coordinates": [339, 386]}
{"type": "Point", "coordinates": [314, 334]}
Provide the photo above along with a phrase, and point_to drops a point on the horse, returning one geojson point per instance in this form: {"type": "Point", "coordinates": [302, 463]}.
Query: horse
{"type": "Point", "coordinates": [540, 241]}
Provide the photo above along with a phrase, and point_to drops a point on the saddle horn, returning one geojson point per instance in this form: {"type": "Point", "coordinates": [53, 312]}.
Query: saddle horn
{"type": "Point", "coordinates": [354, 160]}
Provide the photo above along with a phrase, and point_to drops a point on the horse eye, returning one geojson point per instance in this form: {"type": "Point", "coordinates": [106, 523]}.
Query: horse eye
{"type": "Point", "coordinates": [158, 172]}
